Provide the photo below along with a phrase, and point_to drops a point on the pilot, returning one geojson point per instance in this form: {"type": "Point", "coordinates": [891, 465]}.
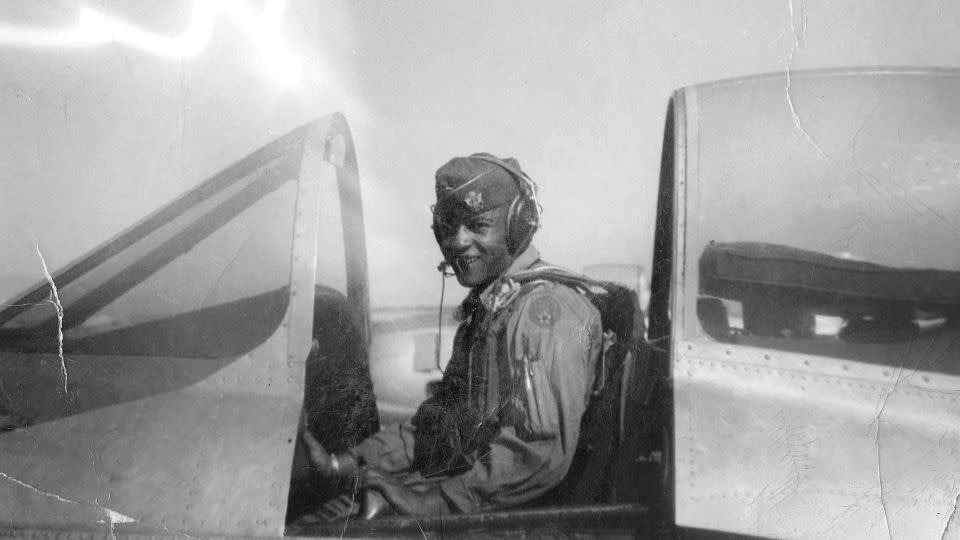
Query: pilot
{"type": "Point", "coordinates": [501, 429]}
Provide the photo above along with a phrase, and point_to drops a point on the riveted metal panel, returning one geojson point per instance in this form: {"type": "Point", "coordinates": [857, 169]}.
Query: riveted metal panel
{"type": "Point", "coordinates": [793, 445]}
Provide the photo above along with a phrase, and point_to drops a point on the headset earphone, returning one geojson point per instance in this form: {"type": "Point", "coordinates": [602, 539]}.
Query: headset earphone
{"type": "Point", "coordinates": [523, 216]}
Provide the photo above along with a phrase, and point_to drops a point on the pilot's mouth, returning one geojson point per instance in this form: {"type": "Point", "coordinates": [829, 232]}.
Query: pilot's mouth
{"type": "Point", "coordinates": [462, 263]}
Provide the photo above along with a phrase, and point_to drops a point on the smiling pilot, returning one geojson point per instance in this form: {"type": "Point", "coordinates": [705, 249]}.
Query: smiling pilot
{"type": "Point", "coordinates": [502, 428]}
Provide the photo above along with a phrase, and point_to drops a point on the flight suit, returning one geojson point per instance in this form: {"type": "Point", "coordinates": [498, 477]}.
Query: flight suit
{"type": "Point", "coordinates": [502, 428]}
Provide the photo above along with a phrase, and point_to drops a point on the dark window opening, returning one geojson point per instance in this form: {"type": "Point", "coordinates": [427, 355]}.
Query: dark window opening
{"type": "Point", "coordinates": [830, 249]}
{"type": "Point", "coordinates": [784, 298]}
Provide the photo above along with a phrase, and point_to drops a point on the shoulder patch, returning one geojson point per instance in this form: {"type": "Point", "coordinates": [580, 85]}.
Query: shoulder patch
{"type": "Point", "coordinates": [544, 311]}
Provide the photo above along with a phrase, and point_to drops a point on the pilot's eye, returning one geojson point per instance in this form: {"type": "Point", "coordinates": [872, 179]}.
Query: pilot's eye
{"type": "Point", "coordinates": [444, 228]}
{"type": "Point", "coordinates": [479, 226]}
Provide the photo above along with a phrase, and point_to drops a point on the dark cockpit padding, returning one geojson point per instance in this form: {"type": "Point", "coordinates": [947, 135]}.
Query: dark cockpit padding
{"type": "Point", "coordinates": [741, 270]}
{"type": "Point", "coordinates": [339, 405]}
{"type": "Point", "coordinates": [338, 398]}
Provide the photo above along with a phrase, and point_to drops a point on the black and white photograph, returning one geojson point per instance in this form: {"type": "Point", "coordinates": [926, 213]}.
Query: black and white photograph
{"type": "Point", "coordinates": [546, 269]}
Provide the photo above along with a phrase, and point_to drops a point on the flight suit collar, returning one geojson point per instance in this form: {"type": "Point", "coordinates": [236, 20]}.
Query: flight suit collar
{"type": "Point", "coordinates": [501, 290]}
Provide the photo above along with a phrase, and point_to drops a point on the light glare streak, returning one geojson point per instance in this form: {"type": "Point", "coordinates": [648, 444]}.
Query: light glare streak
{"type": "Point", "coordinates": [96, 28]}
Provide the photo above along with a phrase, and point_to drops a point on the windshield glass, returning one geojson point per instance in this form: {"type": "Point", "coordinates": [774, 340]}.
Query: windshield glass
{"type": "Point", "coordinates": [825, 220]}
{"type": "Point", "coordinates": [205, 276]}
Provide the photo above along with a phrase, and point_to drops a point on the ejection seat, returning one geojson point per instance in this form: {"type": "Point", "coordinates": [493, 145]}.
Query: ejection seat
{"type": "Point", "coordinates": [620, 450]}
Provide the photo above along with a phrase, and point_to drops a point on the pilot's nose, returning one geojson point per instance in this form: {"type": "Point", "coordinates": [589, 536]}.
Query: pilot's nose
{"type": "Point", "coordinates": [462, 238]}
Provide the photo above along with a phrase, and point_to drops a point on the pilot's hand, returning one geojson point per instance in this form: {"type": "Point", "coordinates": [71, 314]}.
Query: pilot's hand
{"type": "Point", "coordinates": [328, 464]}
{"type": "Point", "coordinates": [404, 499]}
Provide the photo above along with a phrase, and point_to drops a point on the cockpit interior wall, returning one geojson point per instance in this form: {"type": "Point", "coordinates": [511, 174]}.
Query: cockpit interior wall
{"type": "Point", "coordinates": [176, 415]}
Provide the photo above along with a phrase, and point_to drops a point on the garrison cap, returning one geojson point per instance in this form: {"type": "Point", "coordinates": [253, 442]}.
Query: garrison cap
{"type": "Point", "coordinates": [473, 185]}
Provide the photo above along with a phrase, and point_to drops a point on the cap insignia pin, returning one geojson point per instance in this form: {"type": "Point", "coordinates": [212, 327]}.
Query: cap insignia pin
{"type": "Point", "coordinates": [474, 200]}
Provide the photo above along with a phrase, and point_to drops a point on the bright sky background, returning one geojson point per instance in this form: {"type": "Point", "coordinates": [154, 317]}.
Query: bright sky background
{"type": "Point", "coordinates": [95, 135]}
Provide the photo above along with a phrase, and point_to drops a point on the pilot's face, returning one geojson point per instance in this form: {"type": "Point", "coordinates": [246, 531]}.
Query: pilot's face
{"type": "Point", "coordinates": [475, 244]}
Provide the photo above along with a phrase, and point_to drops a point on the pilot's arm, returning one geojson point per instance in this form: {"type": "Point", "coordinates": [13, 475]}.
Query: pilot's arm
{"type": "Point", "coordinates": [391, 450]}
{"type": "Point", "coordinates": [554, 339]}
